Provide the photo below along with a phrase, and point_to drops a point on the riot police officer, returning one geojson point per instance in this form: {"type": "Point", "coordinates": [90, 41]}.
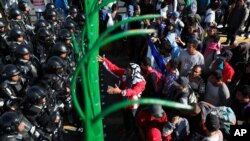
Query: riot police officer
{"type": "Point", "coordinates": [59, 80]}
{"type": "Point", "coordinates": [55, 78]}
{"type": "Point", "coordinates": [15, 127]}
{"type": "Point", "coordinates": [71, 26]}
{"type": "Point", "coordinates": [73, 11]}
{"type": "Point", "coordinates": [52, 19]}
{"type": "Point", "coordinates": [13, 85]}
{"type": "Point", "coordinates": [27, 63]}
{"type": "Point", "coordinates": [43, 44]}
{"type": "Point", "coordinates": [11, 125]}
{"type": "Point", "coordinates": [41, 23]}
{"type": "Point", "coordinates": [17, 37]}
{"type": "Point", "coordinates": [44, 116]}
{"type": "Point", "coordinates": [65, 37]}
{"type": "Point", "coordinates": [60, 49]}
{"type": "Point", "coordinates": [17, 21]}
{"type": "Point", "coordinates": [24, 7]}
{"type": "Point", "coordinates": [59, 11]}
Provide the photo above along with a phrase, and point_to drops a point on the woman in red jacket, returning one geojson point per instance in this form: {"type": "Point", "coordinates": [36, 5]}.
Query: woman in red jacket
{"type": "Point", "coordinates": [131, 86]}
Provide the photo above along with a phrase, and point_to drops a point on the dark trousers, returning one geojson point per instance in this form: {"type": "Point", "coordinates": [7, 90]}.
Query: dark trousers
{"type": "Point", "coordinates": [129, 119]}
{"type": "Point", "coordinates": [231, 34]}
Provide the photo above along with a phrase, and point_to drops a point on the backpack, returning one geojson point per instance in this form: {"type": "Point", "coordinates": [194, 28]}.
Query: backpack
{"type": "Point", "coordinates": [225, 114]}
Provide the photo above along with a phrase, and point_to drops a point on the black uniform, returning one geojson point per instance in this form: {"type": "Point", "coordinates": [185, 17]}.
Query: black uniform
{"type": "Point", "coordinates": [12, 89]}
{"type": "Point", "coordinates": [43, 44]}
{"type": "Point", "coordinates": [42, 114]}
{"type": "Point", "coordinates": [29, 67]}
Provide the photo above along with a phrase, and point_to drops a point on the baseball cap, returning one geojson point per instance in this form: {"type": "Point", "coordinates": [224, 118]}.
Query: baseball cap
{"type": "Point", "coordinates": [181, 81]}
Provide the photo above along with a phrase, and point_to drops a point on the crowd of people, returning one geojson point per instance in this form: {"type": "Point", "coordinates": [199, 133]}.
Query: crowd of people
{"type": "Point", "coordinates": [184, 61]}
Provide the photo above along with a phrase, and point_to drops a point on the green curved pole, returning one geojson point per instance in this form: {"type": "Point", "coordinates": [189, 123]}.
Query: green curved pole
{"type": "Point", "coordinates": [143, 101]}
{"type": "Point", "coordinates": [119, 36]}
{"type": "Point", "coordinates": [132, 19]}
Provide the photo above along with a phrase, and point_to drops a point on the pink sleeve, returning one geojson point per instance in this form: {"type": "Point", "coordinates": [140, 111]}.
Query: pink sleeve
{"type": "Point", "coordinates": [113, 68]}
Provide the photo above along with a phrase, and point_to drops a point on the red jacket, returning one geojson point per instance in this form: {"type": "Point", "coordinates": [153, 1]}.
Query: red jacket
{"type": "Point", "coordinates": [133, 92]}
{"type": "Point", "coordinates": [146, 121]}
{"type": "Point", "coordinates": [228, 72]}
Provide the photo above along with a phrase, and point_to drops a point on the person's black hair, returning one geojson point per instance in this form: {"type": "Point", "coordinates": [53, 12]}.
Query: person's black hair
{"type": "Point", "coordinates": [114, 7]}
{"type": "Point", "coordinates": [173, 63]}
{"type": "Point", "coordinates": [245, 90]}
{"type": "Point", "coordinates": [197, 66]}
{"type": "Point", "coordinates": [146, 61]}
{"type": "Point", "coordinates": [215, 5]}
{"type": "Point", "coordinates": [216, 38]}
{"type": "Point", "coordinates": [175, 113]}
{"type": "Point", "coordinates": [212, 122]}
{"type": "Point", "coordinates": [164, 4]}
{"type": "Point", "coordinates": [193, 41]}
{"type": "Point", "coordinates": [217, 74]}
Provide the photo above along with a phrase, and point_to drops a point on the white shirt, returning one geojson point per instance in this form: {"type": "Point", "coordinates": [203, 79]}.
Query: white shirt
{"type": "Point", "coordinates": [210, 16]}
{"type": "Point", "coordinates": [189, 61]}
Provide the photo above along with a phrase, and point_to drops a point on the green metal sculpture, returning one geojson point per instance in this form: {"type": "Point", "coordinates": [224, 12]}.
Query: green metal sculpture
{"type": "Point", "coordinates": [88, 71]}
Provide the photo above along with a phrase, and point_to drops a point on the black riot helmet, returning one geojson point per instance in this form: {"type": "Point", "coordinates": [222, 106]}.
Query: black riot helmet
{"type": "Point", "coordinates": [9, 122]}
{"type": "Point", "coordinates": [70, 25]}
{"type": "Point", "coordinates": [41, 23]}
{"type": "Point", "coordinates": [50, 6]}
{"type": "Point", "coordinates": [55, 64]}
{"type": "Point", "coordinates": [21, 50]}
{"type": "Point", "coordinates": [34, 94]}
{"type": "Point", "coordinates": [10, 70]}
{"type": "Point", "coordinates": [43, 33]}
{"type": "Point", "coordinates": [59, 48]}
{"type": "Point", "coordinates": [51, 13]}
{"type": "Point", "coordinates": [14, 12]}
{"type": "Point", "coordinates": [22, 5]}
{"type": "Point", "coordinates": [64, 34]}
{"type": "Point", "coordinates": [15, 33]}
{"type": "Point", "coordinates": [73, 10]}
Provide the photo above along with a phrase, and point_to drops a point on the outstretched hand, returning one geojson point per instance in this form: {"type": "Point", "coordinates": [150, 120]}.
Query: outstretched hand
{"type": "Point", "coordinates": [100, 58]}
{"type": "Point", "coordinates": [114, 90]}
